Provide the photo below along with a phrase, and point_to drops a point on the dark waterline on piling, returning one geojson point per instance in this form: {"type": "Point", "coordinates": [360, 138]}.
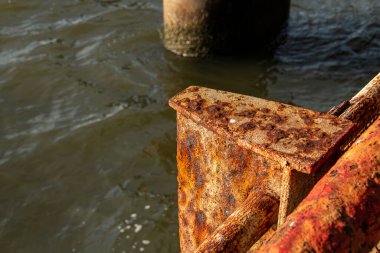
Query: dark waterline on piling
{"type": "Point", "coordinates": [87, 151]}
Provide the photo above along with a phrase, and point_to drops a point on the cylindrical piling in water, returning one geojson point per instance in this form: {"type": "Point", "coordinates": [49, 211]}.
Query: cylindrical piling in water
{"type": "Point", "coordinates": [201, 27]}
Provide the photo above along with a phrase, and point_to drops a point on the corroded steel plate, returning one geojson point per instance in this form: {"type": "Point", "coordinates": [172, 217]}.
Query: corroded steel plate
{"type": "Point", "coordinates": [342, 212]}
{"type": "Point", "coordinates": [295, 137]}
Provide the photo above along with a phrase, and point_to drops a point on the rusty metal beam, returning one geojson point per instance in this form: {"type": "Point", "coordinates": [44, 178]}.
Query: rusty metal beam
{"type": "Point", "coordinates": [241, 228]}
{"type": "Point", "coordinates": [298, 138]}
{"type": "Point", "coordinates": [215, 176]}
{"type": "Point", "coordinates": [362, 109]}
{"type": "Point", "coordinates": [342, 212]}
{"type": "Point", "coordinates": [228, 149]}
{"type": "Point", "coordinates": [230, 146]}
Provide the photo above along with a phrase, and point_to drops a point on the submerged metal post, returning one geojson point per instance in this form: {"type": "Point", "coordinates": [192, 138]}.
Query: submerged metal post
{"type": "Point", "coordinates": [200, 27]}
{"type": "Point", "coordinates": [235, 150]}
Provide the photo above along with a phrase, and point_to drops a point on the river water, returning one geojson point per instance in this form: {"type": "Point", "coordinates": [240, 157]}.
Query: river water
{"type": "Point", "coordinates": [87, 140]}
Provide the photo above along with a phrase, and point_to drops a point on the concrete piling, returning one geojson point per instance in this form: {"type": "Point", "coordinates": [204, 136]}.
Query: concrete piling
{"type": "Point", "coordinates": [196, 28]}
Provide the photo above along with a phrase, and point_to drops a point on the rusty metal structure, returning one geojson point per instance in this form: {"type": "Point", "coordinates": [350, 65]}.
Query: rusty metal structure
{"type": "Point", "coordinates": [244, 163]}
{"type": "Point", "coordinates": [342, 212]}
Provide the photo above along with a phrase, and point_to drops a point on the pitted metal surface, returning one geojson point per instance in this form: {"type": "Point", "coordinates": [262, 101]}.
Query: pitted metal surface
{"type": "Point", "coordinates": [297, 138]}
{"type": "Point", "coordinates": [215, 176]}
{"type": "Point", "coordinates": [342, 212]}
{"type": "Point", "coordinates": [231, 146]}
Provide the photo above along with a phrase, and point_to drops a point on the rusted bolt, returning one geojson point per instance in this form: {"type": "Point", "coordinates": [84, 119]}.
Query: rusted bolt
{"type": "Point", "coordinates": [232, 146]}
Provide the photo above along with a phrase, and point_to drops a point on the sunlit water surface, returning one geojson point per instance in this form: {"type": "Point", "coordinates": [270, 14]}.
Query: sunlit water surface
{"type": "Point", "coordinates": [87, 151]}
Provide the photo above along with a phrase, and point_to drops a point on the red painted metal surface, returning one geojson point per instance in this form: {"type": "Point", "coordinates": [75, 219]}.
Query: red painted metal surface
{"type": "Point", "coordinates": [342, 212]}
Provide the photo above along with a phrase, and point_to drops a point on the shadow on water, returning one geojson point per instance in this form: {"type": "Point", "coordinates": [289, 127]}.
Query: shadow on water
{"type": "Point", "coordinates": [233, 73]}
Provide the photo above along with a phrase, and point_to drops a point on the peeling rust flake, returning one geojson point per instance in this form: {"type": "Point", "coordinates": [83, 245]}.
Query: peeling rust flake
{"type": "Point", "coordinates": [290, 135]}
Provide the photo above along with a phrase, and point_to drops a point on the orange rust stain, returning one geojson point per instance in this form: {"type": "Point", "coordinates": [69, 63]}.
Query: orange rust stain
{"type": "Point", "coordinates": [228, 148]}
{"type": "Point", "coordinates": [214, 177]}
{"type": "Point", "coordinates": [298, 136]}
{"type": "Point", "coordinates": [200, 225]}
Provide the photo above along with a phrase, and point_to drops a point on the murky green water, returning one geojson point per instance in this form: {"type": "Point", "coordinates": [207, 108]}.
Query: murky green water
{"type": "Point", "coordinates": [87, 148]}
